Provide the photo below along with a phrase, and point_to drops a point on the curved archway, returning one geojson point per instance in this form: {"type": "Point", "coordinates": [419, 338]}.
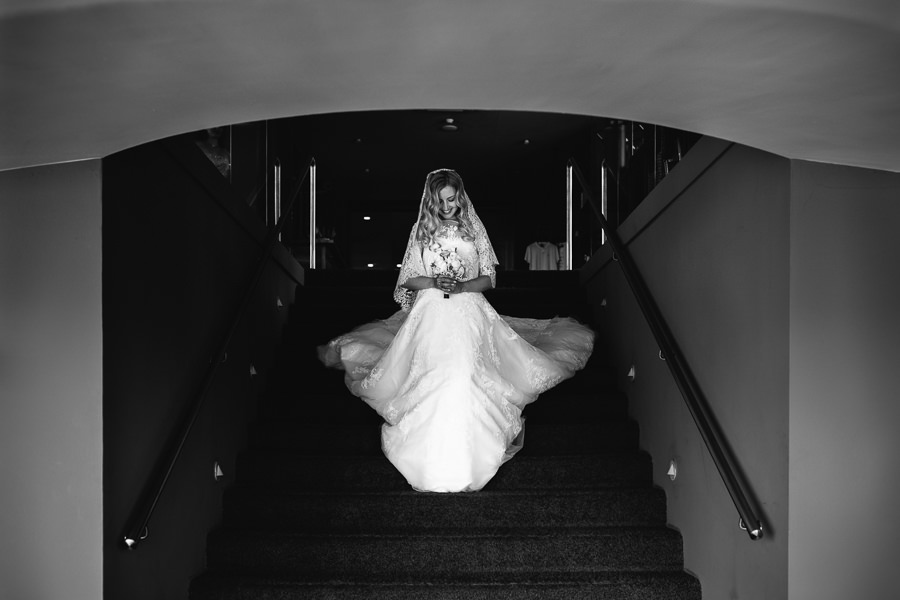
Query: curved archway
{"type": "Point", "coordinates": [104, 76]}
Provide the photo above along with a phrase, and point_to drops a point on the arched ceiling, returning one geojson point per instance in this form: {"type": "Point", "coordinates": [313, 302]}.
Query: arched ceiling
{"type": "Point", "coordinates": [807, 79]}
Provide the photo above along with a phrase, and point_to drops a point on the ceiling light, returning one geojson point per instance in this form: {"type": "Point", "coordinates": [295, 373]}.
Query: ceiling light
{"type": "Point", "coordinates": [448, 125]}
{"type": "Point", "coordinates": [370, 265]}
{"type": "Point", "coordinates": [367, 218]}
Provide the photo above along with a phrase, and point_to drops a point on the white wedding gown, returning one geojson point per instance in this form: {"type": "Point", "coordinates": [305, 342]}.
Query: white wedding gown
{"type": "Point", "coordinates": [451, 377]}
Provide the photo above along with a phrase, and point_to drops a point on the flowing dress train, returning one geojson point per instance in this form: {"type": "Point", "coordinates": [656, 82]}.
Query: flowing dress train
{"type": "Point", "coordinates": [452, 376]}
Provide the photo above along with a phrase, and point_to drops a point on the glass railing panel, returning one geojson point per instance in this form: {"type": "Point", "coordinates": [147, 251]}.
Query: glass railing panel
{"type": "Point", "coordinates": [649, 154]}
{"type": "Point", "coordinates": [215, 143]}
{"type": "Point", "coordinates": [627, 161]}
{"type": "Point", "coordinates": [623, 162]}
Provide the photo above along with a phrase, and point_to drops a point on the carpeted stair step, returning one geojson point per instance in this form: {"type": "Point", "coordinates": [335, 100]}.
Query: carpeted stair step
{"type": "Point", "coordinates": [334, 403]}
{"type": "Point", "coordinates": [666, 585]}
{"type": "Point", "coordinates": [375, 473]}
{"type": "Point", "coordinates": [409, 512]}
{"type": "Point", "coordinates": [540, 437]}
{"type": "Point", "coordinates": [317, 405]}
{"type": "Point", "coordinates": [574, 405]}
{"type": "Point", "coordinates": [444, 553]}
{"type": "Point", "coordinates": [573, 471]}
{"type": "Point", "coordinates": [318, 512]}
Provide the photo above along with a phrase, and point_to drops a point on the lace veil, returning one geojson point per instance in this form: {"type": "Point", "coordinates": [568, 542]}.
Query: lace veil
{"type": "Point", "coordinates": [414, 265]}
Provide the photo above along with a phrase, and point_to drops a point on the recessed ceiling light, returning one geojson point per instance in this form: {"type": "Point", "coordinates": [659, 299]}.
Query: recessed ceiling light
{"type": "Point", "coordinates": [367, 218]}
{"type": "Point", "coordinates": [370, 265]}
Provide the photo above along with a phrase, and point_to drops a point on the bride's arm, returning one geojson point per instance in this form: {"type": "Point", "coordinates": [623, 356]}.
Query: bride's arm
{"type": "Point", "coordinates": [422, 282]}
{"type": "Point", "coordinates": [450, 285]}
{"type": "Point", "coordinates": [479, 284]}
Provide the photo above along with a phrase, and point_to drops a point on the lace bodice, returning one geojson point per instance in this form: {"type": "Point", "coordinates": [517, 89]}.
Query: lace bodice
{"type": "Point", "coordinates": [451, 254]}
{"type": "Point", "coordinates": [448, 251]}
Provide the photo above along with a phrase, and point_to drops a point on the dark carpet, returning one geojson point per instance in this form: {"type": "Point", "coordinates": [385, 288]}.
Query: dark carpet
{"type": "Point", "coordinates": [318, 512]}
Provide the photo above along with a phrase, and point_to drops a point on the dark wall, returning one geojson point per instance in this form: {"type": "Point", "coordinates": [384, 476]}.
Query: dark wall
{"type": "Point", "coordinates": [179, 249]}
{"type": "Point", "coordinates": [518, 189]}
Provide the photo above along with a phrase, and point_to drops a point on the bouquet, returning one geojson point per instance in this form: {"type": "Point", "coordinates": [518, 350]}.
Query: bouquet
{"type": "Point", "coordinates": [447, 263]}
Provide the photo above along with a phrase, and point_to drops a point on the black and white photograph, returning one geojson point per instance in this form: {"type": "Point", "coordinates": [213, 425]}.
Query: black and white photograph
{"type": "Point", "coordinates": [449, 300]}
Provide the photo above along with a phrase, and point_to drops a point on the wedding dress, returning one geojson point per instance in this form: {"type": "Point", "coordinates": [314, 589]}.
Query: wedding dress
{"type": "Point", "coordinates": [449, 375]}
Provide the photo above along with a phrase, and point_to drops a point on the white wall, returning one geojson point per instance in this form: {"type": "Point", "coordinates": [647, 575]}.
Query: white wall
{"type": "Point", "coordinates": [845, 383]}
{"type": "Point", "coordinates": [50, 383]}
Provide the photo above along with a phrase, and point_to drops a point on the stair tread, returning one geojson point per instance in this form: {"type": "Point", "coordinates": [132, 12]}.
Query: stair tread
{"type": "Point", "coordinates": [318, 511]}
{"type": "Point", "coordinates": [666, 585]}
{"type": "Point", "coordinates": [289, 469]}
{"type": "Point", "coordinates": [491, 580]}
{"type": "Point", "coordinates": [447, 552]}
{"type": "Point", "coordinates": [524, 532]}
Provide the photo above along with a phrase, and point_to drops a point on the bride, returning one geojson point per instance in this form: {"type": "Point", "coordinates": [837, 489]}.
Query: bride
{"type": "Point", "coordinates": [448, 374]}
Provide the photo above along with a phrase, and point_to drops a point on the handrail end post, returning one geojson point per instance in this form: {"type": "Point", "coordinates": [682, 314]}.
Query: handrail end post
{"type": "Point", "coordinates": [130, 542]}
{"type": "Point", "coordinates": [755, 533]}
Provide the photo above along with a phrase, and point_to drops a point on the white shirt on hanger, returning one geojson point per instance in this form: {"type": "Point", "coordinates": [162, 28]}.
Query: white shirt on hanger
{"type": "Point", "coordinates": [542, 256]}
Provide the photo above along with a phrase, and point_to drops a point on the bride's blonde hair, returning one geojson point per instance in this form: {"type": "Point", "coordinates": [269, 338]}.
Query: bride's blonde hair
{"type": "Point", "coordinates": [429, 220]}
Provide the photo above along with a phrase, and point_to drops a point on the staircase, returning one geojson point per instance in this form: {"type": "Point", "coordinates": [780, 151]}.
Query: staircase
{"type": "Point", "coordinates": [319, 512]}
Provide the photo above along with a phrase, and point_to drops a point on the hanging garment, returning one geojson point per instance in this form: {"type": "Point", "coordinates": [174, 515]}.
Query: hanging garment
{"type": "Point", "coordinates": [542, 256]}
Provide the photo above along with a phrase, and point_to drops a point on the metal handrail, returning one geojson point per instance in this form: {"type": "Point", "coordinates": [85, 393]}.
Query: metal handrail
{"type": "Point", "coordinates": [684, 378]}
{"type": "Point", "coordinates": [138, 527]}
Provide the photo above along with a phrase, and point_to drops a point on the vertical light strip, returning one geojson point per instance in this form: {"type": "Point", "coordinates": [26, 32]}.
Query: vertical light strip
{"type": "Point", "coordinates": [569, 216]}
{"type": "Point", "coordinates": [265, 197]}
{"type": "Point", "coordinates": [278, 195]}
{"type": "Point", "coordinates": [312, 214]}
{"type": "Point", "coordinates": [603, 201]}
